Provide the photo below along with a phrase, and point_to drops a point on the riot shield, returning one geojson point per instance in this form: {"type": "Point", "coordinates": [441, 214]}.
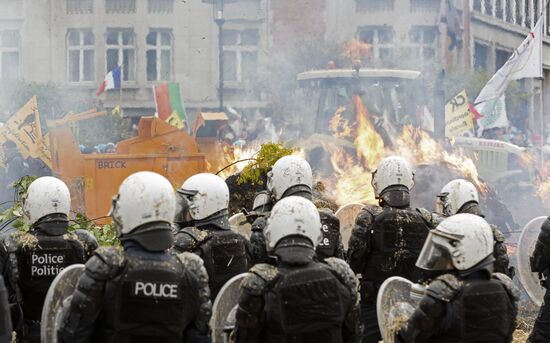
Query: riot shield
{"type": "Point", "coordinates": [347, 215]}
{"type": "Point", "coordinates": [57, 301]}
{"type": "Point", "coordinates": [223, 310]}
{"type": "Point", "coordinates": [395, 305]}
{"type": "Point", "coordinates": [526, 245]}
{"type": "Point", "coordinates": [240, 224]}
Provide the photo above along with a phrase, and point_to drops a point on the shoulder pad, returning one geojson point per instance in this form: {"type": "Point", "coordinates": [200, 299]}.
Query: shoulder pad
{"type": "Point", "coordinates": [344, 272]}
{"type": "Point", "coordinates": [86, 237]}
{"type": "Point", "coordinates": [197, 234]}
{"type": "Point", "coordinates": [20, 239]}
{"type": "Point", "coordinates": [105, 263]}
{"type": "Point", "coordinates": [367, 215]}
{"type": "Point", "coordinates": [328, 217]}
{"type": "Point", "coordinates": [260, 278]}
{"type": "Point", "coordinates": [194, 264]}
{"type": "Point", "coordinates": [508, 284]}
{"type": "Point", "coordinates": [431, 218]}
{"type": "Point", "coordinates": [444, 287]}
{"type": "Point", "coordinates": [497, 234]}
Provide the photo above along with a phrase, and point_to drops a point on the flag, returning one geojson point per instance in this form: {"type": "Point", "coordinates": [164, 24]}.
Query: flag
{"type": "Point", "coordinates": [525, 62]}
{"type": "Point", "coordinates": [169, 104]}
{"type": "Point", "coordinates": [23, 128]}
{"type": "Point", "coordinates": [112, 80]}
{"type": "Point", "coordinates": [474, 112]}
{"type": "Point", "coordinates": [493, 114]}
{"type": "Point", "coordinates": [458, 120]}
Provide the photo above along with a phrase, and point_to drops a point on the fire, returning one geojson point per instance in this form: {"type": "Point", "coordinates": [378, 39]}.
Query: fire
{"type": "Point", "coordinates": [236, 159]}
{"type": "Point", "coordinates": [353, 175]}
{"type": "Point", "coordinates": [338, 125]}
{"type": "Point", "coordinates": [543, 181]}
{"type": "Point", "coordinates": [356, 50]}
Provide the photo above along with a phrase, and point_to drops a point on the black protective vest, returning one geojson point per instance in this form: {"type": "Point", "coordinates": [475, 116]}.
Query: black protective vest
{"type": "Point", "coordinates": [396, 241]}
{"type": "Point", "coordinates": [307, 304]}
{"type": "Point", "coordinates": [224, 255]}
{"type": "Point", "coordinates": [481, 312]}
{"type": "Point", "coordinates": [150, 301]}
{"type": "Point", "coordinates": [330, 229]}
{"type": "Point", "coordinates": [39, 263]}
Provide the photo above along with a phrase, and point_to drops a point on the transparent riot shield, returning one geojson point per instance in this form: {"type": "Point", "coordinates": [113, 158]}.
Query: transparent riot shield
{"type": "Point", "coordinates": [526, 245]}
{"type": "Point", "coordinates": [347, 215]}
{"type": "Point", "coordinates": [223, 310]}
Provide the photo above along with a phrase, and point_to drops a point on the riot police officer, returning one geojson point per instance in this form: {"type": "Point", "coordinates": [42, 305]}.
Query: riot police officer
{"type": "Point", "coordinates": [141, 294]}
{"type": "Point", "coordinates": [30, 261]}
{"type": "Point", "coordinates": [298, 299]}
{"type": "Point", "coordinates": [540, 263]}
{"type": "Point", "coordinates": [461, 196]}
{"type": "Point", "coordinates": [225, 252]}
{"type": "Point", "coordinates": [468, 303]}
{"type": "Point", "coordinates": [387, 239]}
{"type": "Point", "coordinates": [291, 175]}
{"type": "Point", "coordinates": [5, 316]}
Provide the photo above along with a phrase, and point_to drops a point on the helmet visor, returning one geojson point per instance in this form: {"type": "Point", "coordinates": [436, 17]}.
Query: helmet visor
{"type": "Point", "coordinates": [441, 205]}
{"type": "Point", "coordinates": [433, 256]}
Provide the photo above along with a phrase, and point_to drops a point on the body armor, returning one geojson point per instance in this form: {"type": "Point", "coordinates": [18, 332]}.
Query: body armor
{"type": "Point", "coordinates": [225, 255]}
{"type": "Point", "coordinates": [481, 311]}
{"type": "Point", "coordinates": [38, 263]}
{"type": "Point", "coordinates": [307, 304]}
{"type": "Point", "coordinates": [5, 316]}
{"type": "Point", "coordinates": [151, 300]}
{"type": "Point", "coordinates": [331, 243]}
{"type": "Point", "coordinates": [396, 239]}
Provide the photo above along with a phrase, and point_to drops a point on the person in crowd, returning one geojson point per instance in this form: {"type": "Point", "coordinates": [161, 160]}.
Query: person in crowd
{"type": "Point", "coordinates": [387, 239]}
{"type": "Point", "coordinates": [30, 261]}
{"type": "Point", "coordinates": [225, 252]}
{"type": "Point", "coordinates": [142, 293]}
{"type": "Point", "coordinates": [298, 299]}
{"type": "Point", "coordinates": [468, 303]}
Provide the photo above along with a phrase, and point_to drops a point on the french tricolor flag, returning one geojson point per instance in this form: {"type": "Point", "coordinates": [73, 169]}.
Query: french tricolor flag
{"type": "Point", "coordinates": [112, 81]}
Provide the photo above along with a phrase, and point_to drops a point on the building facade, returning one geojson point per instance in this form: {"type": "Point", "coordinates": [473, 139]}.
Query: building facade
{"type": "Point", "coordinates": [74, 43]}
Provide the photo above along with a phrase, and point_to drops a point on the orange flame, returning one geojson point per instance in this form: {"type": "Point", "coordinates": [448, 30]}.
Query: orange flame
{"type": "Point", "coordinates": [356, 50]}
{"type": "Point", "coordinates": [338, 125]}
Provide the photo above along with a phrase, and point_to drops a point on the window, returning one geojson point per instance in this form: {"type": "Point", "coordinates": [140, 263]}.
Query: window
{"type": "Point", "coordinates": [499, 9]}
{"type": "Point", "coordinates": [501, 56]}
{"type": "Point", "coordinates": [80, 55]}
{"type": "Point", "coordinates": [425, 5]}
{"type": "Point", "coordinates": [373, 5]}
{"type": "Point", "coordinates": [380, 39]}
{"type": "Point", "coordinates": [422, 39]}
{"type": "Point", "coordinates": [80, 6]}
{"type": "Point", "coordinates": [121, 52]}
{"type": "Point", "coordinates": [240, 53]}
{"type": "Point", "coordinates": [9, 54]}
{"type": "Point", "coordinates": [120, 6]}
{"type": "Point", "coordinates": [481, 54]}
{"type": "Point", "coordinates": [159, 55]}
{"type": "Point", "coordinates": [160, 6]}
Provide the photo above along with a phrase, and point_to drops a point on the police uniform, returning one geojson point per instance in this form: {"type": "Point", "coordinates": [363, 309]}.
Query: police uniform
{"type": "Point", "coordinates": [30, 261]}
{"type": "Point", "coordinates": [139, 296]}
{"type": "Point", "coordinates": [298, 300]}
{"type": "Point", "coordinates": [479, 307]}
{"type": "Point", "coordinates": [386, 241]}
{"type": "Point", "coordinates": [5, 316]}
{"type": "Point", "coordinates": [540, 263]}
{"type": "Point", "coordinates": [226, 253]}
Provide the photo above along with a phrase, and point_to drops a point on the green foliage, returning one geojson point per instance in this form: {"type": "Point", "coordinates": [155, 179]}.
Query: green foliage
{"type": "Point", "coordinates": [106, 235]}
{"type": "Point", "coordinates": [267, 156]}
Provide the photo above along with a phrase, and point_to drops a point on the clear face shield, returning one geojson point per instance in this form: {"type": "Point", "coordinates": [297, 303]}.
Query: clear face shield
{"type": "Point", "coordinates": [113, 214]}
{"type": "Point", "coordinates": [434, 256]}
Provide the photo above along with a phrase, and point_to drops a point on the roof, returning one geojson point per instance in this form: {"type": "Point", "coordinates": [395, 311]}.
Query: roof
{"type": "Point", "coordinates": [363, 73]}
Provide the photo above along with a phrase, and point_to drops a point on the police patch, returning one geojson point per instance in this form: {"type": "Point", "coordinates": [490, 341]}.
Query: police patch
{"type": "Point", "coordinates": [162, 290]}
{"type": "Point", "coordinates": [46, 264]}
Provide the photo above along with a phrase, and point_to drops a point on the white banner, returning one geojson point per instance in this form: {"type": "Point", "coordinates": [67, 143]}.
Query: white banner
{"type": "Point", "coordinates": [525, 62]}
{"type": "Point", "coordinates": [493, 114]}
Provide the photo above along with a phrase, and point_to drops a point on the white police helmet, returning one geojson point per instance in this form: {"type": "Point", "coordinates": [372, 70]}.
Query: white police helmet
{"type": "Point", "coordinates": [454, 195]}
{"type": "Point", "coordinates": [458, 242]}
{"type": "Point", "coordinates": [46, 195]}
{"type": "Point", "coordinates": [206, 193]}
{"type": "Point", "coordinates": [392, 171]}
{"type": "Point", "coordinates": [143, 197]}
{"type": "Point", "coordinates": [292, 216]}
{"type": "Point", "coordinates": [287, 172]}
